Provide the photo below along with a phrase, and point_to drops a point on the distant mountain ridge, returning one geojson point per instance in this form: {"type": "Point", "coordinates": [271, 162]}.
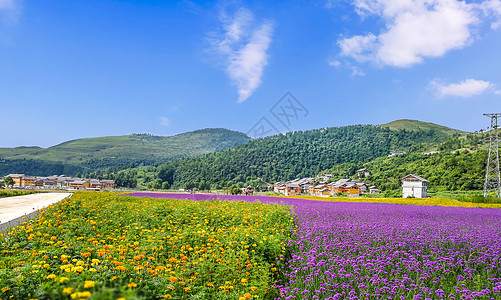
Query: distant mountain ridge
{"type": "Point", "coordinates": [89, 154]}
{"type": "Point", "coordinates": [311, 151]}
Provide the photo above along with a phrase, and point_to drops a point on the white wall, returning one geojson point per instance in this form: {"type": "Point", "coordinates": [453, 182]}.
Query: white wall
{"type": "Point", "coordinates": [414, 188]}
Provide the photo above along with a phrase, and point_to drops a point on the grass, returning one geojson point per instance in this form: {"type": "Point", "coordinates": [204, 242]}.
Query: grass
{"type": "Point", "coordinates": [12, 193]}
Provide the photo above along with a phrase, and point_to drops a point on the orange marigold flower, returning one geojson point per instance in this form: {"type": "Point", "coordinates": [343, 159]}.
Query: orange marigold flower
{"type": "Point", "coordinates": [132, 285]}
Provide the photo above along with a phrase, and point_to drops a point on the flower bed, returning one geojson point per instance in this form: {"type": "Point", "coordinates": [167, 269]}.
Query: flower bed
{"type": "Point", "coordinates": [100, 246]}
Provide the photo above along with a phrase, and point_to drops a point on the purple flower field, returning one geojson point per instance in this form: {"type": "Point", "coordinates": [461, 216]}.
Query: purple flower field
{"type": "Point", "coordinates": [344, 250]}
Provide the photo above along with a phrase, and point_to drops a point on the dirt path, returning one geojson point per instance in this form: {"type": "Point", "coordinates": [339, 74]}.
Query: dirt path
{"type": "Point", "coordinates": [12, 208]}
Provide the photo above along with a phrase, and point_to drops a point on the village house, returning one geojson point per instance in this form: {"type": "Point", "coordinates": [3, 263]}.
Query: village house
{"type": "Point", "coordinates": [292, 189]}
{"type": "Point", "coordinates": [79, 184]}
{"type": "Point", "coordinates": [373, 190]}
{"type": "Point", "coordinates": [59, 182]}
{"type": "Point", "coordinates": [279, 187]}
{"type": "Point", "coordinates": [27, 181]}
{"type": "Point", "coordinates": [353, 188]}
{"type": "Point", "coordinates": [414, 186]}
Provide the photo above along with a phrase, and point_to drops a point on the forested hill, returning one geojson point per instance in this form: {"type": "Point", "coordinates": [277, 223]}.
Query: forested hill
{"type": "Point", "coordinates": [91, 154]}
{"type": "Point", "coordinates": [284, 157]}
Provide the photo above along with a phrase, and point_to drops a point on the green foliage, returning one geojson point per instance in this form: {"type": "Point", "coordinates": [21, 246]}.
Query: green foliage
{"type": "Point", "coordinates": [12, 193]}
{"type": "Point", "coordinates": [414, 125]}
{"type": "Point", "coordinates": [89, 155]}
{"type": "Point", "coordinates": [8, 181]}
{"type": "Point", "coordinates": [479, 198]}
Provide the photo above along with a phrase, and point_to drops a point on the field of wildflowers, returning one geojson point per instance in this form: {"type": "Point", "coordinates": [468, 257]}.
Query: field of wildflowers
{"type": "Point", "coordinates": [356, 250]}
{"type": "Point", "coordinates": [192, 246]}
{"type": "Point", "coordinates": [103, 246]}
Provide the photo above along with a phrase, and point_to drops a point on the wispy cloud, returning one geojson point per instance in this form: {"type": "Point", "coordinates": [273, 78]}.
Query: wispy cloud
{"type": "Point", "coordinates": [466, 88]}
{"type": "Point", "coordinates": [10, 10]}
{"type": "Point", "coordinates": [164, 121]}
{"type": "Point", "coordinates": [417, 29]}
{"type": "Point", "coordinates": [242, 45]}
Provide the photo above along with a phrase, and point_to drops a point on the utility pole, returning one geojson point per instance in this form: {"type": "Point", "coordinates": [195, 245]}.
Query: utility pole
{"type": "Point", "coordinates": [492, 179]}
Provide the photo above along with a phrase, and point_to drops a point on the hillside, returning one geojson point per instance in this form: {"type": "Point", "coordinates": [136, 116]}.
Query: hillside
{"type": "Point", "coordinates": [284, 157]}
{"type": "Point", "coordinates": [456, 164]}
{"type": "Point", "coordinates": [414, 125]}
{"type": "Point", "coordinates": [90, 154]}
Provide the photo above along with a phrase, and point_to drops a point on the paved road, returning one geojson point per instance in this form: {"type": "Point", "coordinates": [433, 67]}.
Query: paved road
{"type": "Point", "coordinates": [14, 207]}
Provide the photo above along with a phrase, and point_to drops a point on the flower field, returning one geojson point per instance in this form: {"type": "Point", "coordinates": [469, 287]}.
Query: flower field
{"type": "Point", "coordinates": [356, 250]}
{"type": "Point", "coordinates": [101, 246]}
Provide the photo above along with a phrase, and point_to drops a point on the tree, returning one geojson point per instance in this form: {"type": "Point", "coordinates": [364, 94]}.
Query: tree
{"type": "Point", "coordinates": [165, 185]}
{"type": "Point", "coordinates": [8, 181]}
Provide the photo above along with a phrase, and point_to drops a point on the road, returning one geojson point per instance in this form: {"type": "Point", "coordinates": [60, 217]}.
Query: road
{"type": "Point", "coordinates": [12, 208]}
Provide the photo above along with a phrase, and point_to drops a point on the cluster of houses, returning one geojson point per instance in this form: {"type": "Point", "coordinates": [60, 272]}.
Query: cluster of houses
{"type": "Point", "coordinates": [322, 186]}
{"type": "Point", "coordinates": [59, 182]}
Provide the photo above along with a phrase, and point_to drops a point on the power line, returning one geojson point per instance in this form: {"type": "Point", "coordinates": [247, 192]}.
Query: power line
{"type": "Point", "coordinates": [492, 178]}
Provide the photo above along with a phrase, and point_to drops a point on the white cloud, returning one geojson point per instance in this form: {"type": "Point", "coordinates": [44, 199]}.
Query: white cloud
{"type": "Point", "coordinates": [164, 121]}
{"type": "Point", "coordinates": [414, 30]}
{"type": "Point", "coordinates": [242, 46]}
{"type": "Point", "coordinates": [334, 63]}
{"type": "Point", "coordinates": [497, 92]}
{"type": "Point", "coordinates": [10, 10]}
{"type": "Point", "coordinates": [493, 8]}
{"type": "Point", "coordinates": [466, 88]}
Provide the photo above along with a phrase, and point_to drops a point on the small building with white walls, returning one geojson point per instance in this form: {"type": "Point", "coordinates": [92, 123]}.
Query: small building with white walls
{"type": "Point", "coordinates": [415, 186]}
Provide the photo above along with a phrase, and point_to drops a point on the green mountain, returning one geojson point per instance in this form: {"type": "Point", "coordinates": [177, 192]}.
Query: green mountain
{"type": "Point", "coordinates": [414, 125]}
{"type": "Point", "coordinates": [285, 156]}
{"type": "Point", "coordinates": [89, 154]}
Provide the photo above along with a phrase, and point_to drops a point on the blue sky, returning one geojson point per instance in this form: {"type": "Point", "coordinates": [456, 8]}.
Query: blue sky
{"type": "Point", "coordinates": [75, 69]}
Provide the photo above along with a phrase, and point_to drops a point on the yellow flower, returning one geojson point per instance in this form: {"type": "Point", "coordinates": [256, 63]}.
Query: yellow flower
{"type": "Point", "coordinates": [132, 285]}
{"type": "Point", "coordinates": [68, 290]}
{"type": "Point", "coordinates": [173, 279]}
{"type": "Point", "coordinates": [253, 288]}
{"type": "Point", "coordinates": [5, 289]}
{"type": "Point", "coordinates": [63, 279]}
{"type": "Point", "coordinates": [121, 298]}
{"type": "Point", "coordinates": [247, 296]}
{"type": "Point", "coordinates": [76, 295]}
{"type": "Point", "coordinates": [89, 284]}
{"type": "Point", "coordinates": [168, 296]}
{"type": "Point", "coordinates": [243, 280]}
{"type": "Point", "coordinates": [51, 276]}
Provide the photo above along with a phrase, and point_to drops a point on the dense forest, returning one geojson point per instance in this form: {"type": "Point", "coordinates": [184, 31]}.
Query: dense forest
{"type": "Point", "coordinates": [279, 158]}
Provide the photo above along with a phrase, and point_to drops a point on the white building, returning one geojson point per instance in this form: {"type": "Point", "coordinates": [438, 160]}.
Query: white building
{"type": "Point", "coordinates": [415, 186]}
